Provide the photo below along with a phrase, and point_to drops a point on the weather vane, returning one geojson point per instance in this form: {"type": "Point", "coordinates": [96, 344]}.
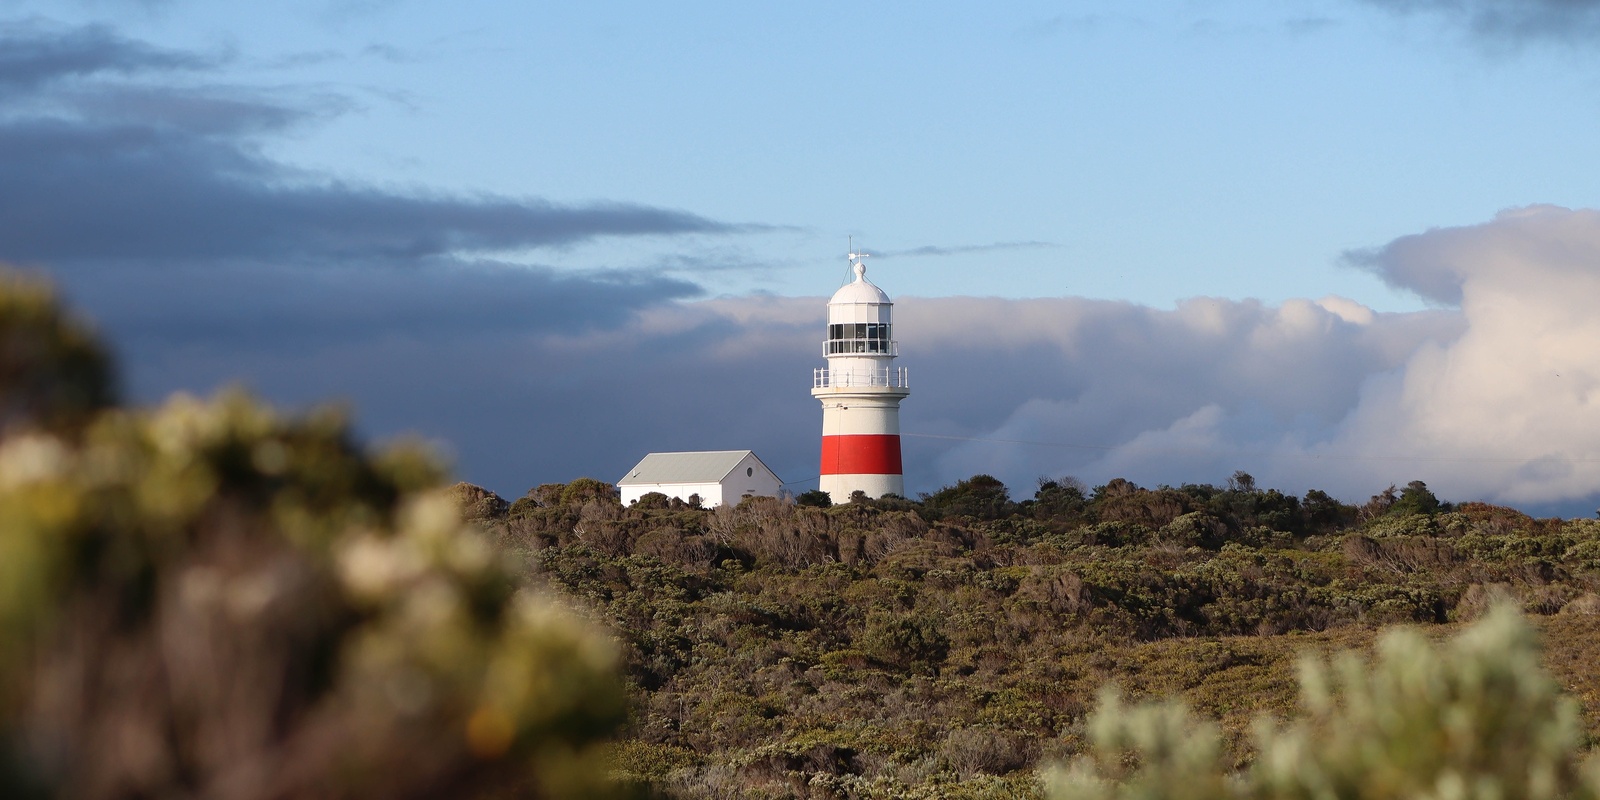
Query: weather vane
{"type": "Point", "coordinates": [856, 257]}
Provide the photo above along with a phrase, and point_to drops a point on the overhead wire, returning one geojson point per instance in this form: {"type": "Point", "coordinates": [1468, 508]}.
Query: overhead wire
{"type": "Point", "coordinates": [1236, 453]}
{"type": "Point", "coordinates": [1260, 453]}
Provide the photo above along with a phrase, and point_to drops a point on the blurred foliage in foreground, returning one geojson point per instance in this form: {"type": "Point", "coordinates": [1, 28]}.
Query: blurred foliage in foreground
{"type": "Point", "coordinates": [1478, 719]}
{"type": "Point", "coordinates": [211, 600]}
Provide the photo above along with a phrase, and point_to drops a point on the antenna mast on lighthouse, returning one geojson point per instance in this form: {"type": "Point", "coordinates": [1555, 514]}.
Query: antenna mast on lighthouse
{"type": "Point", "coordinates": [860, 390]}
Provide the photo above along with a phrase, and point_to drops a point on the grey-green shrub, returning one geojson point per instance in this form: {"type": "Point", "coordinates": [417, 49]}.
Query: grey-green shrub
{"type": "Point", "coordinates": [1475, 719]}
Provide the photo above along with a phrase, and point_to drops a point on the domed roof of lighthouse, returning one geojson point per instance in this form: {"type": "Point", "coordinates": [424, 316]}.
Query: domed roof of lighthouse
{"type": "Point", "coordinates": [860, 290]}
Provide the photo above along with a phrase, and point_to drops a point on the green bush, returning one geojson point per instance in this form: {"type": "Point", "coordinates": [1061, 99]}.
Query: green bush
{"type": "Point", "coordinates": [978, 497]}
{"type": "Point", "coordinates": [816, 498]}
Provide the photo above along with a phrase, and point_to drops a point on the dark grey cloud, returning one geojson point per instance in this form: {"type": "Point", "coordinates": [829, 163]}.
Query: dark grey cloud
{"type": "Point", "coordinates": [76, 192]}
{"type": "Point", "coordinates": [207, 111]}
{"type": "Point", "coordinates": [168, 175]}
{"type": "Point", "coordinates": [208, 263]}
{"type": "Point", "coordinates": [1500, 22]}
{"type": "Point", "coordinates": [281, 308]}
{"type": "Point", "coordinates": [34, 54]}
{"type": "Point", "coordinates": [527, 375]}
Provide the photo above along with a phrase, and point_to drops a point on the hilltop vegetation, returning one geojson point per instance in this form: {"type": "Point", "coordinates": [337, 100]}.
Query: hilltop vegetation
{"type": "Point", "coordinates": [948, 646]}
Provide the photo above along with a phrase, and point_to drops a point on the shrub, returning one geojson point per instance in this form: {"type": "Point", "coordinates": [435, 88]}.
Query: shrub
{"type": "Point", "coordinates": [816, 498]}
{"type": "Point", "coordinates": [1415, 499]}
{"type": "Point", "coordinates": [583, 490]}
{"type": "Point", "coordinates": [1060, 501]}
{"type": "Point", "coordinates": [53, 374]}
{"type": "Point", "coordinates": [1478, 718]}
{"type": "Point", "coordinates": [979, 497]}
{"type": "Point", "coordinates": [478, 503]}
{"type": "Point", "coordinates": [904, 642]}
{"type": "Point", "coordinates": [652, 501]}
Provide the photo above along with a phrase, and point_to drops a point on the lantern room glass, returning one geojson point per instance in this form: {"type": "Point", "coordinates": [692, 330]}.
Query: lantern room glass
{"type": "Point", "coordinates": [860, 337]}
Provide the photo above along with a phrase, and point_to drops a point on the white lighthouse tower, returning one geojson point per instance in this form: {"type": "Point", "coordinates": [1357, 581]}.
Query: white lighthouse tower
{"type": "Point", "coordinates": [860, 390]}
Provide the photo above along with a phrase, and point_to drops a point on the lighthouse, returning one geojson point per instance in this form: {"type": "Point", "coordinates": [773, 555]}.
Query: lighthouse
{"type": "Point", "coordinates": [860, 390]}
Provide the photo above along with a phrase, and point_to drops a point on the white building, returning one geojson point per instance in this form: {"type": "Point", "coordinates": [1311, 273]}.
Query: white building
{"type": "Point", "coordinates": [717, 476]}
{"type": "Point", "coordinates": [860, 390]}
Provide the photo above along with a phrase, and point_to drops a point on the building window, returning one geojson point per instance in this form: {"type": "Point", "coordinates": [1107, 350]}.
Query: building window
{"type": "Point", "coordinates": [859, 337]}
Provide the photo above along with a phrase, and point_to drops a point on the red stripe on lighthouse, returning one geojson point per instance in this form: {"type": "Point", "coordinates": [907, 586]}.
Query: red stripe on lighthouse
{"type": "Point", "coordinates": [861, 454]}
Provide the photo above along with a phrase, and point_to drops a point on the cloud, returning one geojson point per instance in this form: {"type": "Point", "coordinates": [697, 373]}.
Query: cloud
{"type": "Point", "coordinates": [90, 192]}
{"type": "Point", "coordinates": [1511, 21]}
{"type": "Point", "coordinates": [1494, 400]}
{"type": "Point", "coordinates": [249, 308]}
{"type": "Point", "coordinates": [1309, 25]}
{"type": "Point", "coordinates": [527, 375]}
{"type": "Point", "coordinates": [1509, 407]}
{"type": "Point", "coordinates": [1440, 263]}
{"type": "Point", "coordinates": [33, 54]}
{"type": "Point", "coordinates": [168, 175]}
{"type": "Point", "coordinates": [534, 376]}
{"type": "Point", "coordinates": [956, 250]}
{"type": "Point", "coordinates": [535, 380]}
{"type": "Point", "coordinates": [208, 263]}
{"type": "Point", "coordinates": [1106, 389]}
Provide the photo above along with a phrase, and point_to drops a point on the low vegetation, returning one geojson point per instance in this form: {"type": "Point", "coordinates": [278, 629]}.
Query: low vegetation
{"type": "Point", "coordinates": [951, 645]}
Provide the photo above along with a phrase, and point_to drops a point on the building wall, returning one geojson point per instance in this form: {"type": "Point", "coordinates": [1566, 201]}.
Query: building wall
{"type": "Point", "coordinates": [753, 478]}
{"type": "Point", "coordinates": [860, 442]}
{"type": "Point", "coordinates": [750, 477]}
{"type": "Point", "coordinates": [710, 493]}
{"type": "Point", "coordinates": [875, 485]}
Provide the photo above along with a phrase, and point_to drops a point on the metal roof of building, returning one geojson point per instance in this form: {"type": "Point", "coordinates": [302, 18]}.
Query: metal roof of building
{"type": "Point", "coordinates": [707, 466]}
{"type": "Point", "coordinates": [860, 291]}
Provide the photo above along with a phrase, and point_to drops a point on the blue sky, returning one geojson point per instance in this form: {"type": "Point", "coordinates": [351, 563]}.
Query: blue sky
{"type": "Point", "coordinates": [427, 208]}
{"type": "Point", "coordinates": [1170, 150]}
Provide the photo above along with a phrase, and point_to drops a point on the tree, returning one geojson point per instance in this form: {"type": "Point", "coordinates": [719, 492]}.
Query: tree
{"type": "Point", "coordinates": [54, 374]}
{"type": "Point", "coordinates": [1062, 500]}
{"type": "Point", "coordinates": [1241, 481]}
{"type": "Point", "coordinates": [1116, 487]}
{"type": "Point", "coordinates": [1414, 499]}
{"type": "Point", "coordinates": [1378, 505]}
{"type": "Point", "coordinates": [979, 497]}
{"type": "Point", "coordinates": [1323, 513]}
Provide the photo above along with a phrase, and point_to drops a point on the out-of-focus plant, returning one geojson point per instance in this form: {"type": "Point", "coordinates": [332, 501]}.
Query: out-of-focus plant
{"type": "Point", "coordinates": [214, 600]}
{"type": "Point", "coordinates": [1477, 719]}
{"type": "Point", "coordinates": [53, 372]}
